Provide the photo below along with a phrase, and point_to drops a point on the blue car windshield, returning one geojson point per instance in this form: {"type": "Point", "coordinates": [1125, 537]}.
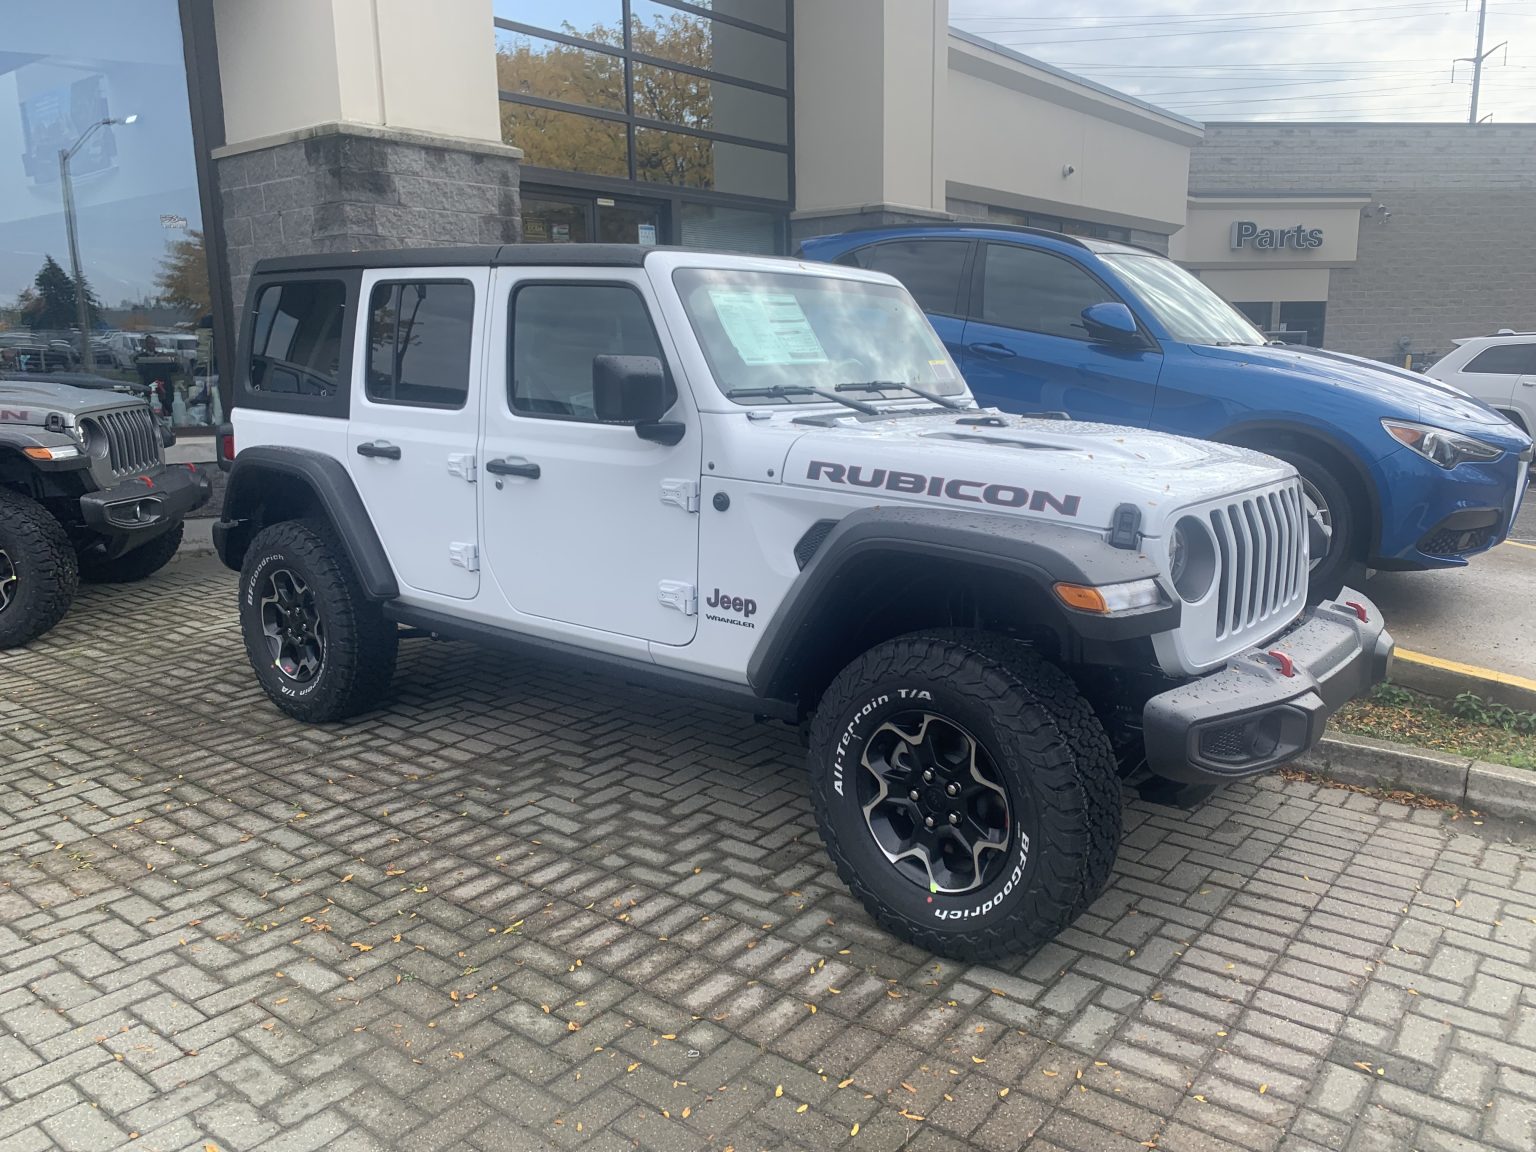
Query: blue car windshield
{"type": "Point", "coordinates": [1190, 311]}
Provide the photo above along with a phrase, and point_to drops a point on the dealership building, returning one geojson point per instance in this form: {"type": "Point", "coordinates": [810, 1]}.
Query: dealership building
{"type": "Point", "coordinates": [297, 126]}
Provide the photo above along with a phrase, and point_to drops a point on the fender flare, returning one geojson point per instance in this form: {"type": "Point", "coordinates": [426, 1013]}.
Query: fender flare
{"type": "Point", "coordinates": [1040, 552]}
{"type": "Point", "coordinates": [327, 480]}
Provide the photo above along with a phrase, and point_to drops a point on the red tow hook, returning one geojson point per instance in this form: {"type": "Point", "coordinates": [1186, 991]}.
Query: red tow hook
{"type": "Point", "coordinates": [1287, 665]}
{"type": "Point", "coordinates": [1365, 617]}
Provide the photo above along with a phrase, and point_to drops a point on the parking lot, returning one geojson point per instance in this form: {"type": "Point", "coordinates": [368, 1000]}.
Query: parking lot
{"type": "Point", "coordinates": [524, 908]}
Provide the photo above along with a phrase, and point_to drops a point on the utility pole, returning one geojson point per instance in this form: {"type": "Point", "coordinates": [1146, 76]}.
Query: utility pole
{"type": "Point", "coordinates": [1477, 60]}
{"type": "Point", "coordinates": [67, 185]}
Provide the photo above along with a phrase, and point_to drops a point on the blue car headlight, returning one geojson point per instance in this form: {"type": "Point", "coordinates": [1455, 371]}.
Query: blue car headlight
{"type": "Point", "coordinates": [1438, 445]}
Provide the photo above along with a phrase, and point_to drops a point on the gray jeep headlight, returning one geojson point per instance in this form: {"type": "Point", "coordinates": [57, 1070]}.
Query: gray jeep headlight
{"type": "Point", "coordinates": [1191, 559]}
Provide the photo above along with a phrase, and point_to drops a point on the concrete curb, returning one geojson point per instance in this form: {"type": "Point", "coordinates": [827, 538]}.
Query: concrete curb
{"type": "Point", "coordinates": [197, 538]}
{"type": "Point", "coordinates": [1493, 788]}
{"type": "Point", "coordinates": [1446, 679]}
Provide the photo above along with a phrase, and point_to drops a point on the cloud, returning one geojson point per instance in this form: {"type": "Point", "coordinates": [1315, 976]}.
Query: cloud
{"type": "Point", "coordinates": [1384, 60]}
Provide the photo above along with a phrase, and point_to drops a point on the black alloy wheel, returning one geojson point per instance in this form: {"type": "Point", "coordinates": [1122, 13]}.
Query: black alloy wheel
{"type": "Point", "coordinates": [295, 634]}
{"type": "Point", "coordinates": [934, 802]}
{"type": "Point", "coordinates": [9, 581]}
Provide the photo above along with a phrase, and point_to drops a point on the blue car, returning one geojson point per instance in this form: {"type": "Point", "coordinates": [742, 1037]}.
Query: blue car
{"type": "Point", "coordinates": [1400, 472]}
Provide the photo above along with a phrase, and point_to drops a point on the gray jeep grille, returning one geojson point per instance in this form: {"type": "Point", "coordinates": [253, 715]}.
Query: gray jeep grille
{"type": "Point", "coordinates": [132, 440]}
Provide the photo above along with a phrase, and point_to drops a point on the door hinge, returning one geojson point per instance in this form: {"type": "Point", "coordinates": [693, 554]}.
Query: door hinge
{"type": "Point", "coordinates": [676, 594]}
{"type": "Point", "coordinates": [462, 464]}
{"type": "Point", "coordinates": [683, 493]}
{"type": "Point", "coordinates": [465, 556]}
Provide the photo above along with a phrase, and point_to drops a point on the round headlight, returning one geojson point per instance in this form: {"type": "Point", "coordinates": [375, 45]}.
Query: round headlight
{"type": "Point", "coordinates": [1191, 559]}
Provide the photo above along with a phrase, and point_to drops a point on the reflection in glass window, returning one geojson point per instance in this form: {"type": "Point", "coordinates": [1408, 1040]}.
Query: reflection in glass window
{"type": "Point", "coordinates": [565, 140]}
{"type": "Point", "coordinates": [769, 13]}
{"type": "Point", "coordinates": [710, 105]}
{"type": "Point", "coordinates": [533, 66]}
{"type": "Point", "coordinates": [66, 66]}
{"type": "Point", "coordinates": [694, 162]}
{"type": "Point", "coordinates": [573, 17]}
{"type": "Point", "coordinates": [700, 42]}
{"type": "Point", "coordinates": [296, 340]}
{"type": "Point", "coordinates": [930, 269]}
{"type": "Point", "coordinates": [557, 330]}
{"type": "Point", "coordinates": [1037, 292]}
{"type": "Point", "coordinates": [419, 343]}
{"type": "Point", "coordinates": [1500, 359]}
{"type": "Point", "coordinates": [730, 229]}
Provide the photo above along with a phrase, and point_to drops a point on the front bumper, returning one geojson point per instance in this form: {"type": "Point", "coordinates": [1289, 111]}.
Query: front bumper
{"type": "Point", "coordinates": [1270, 704]}
{"type": "Point", "coordinates": [138, 510]}
{"type": "Point", "coordinates": [1431, 517]}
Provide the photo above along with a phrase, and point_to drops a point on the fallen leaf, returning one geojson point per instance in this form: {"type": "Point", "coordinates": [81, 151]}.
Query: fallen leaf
{"type": "Point", "coordinates": [457, 1055]}
{"type": "Point", "coordinates": [633, 1066]}
{"type": "Point", "coordinates": [687, 1112]}
{"type": "Point", "coordinates": [362, 947]}
{"type": "Point", "coordinates": [854, 1131]}
{"type": "Point", "coordinates": [802, 1108]}
{"type": "Point", "coordinates": [845, 1083]}
{"type": "Point", "coordinates": [978, 1059]}
{"type": "Point", "coordinates": [778, 1091]}
{"type": "Point", "coordinates": [1049, 1072]}
{"type": "Point", "coordinates": [1263, 1088]}
{"type": "Point", "coordinates": [1003, 1094]}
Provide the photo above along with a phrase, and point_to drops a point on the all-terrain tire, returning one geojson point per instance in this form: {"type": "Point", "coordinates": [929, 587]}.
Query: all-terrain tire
{"type": "Point", "coordinates": [38, 570]}
{"type": "Point", "coordinates": [357, 659]}
{"type": "Point", "coordinates": [143, 561]}
{"type": "Point", "coordinates": [1042, 740]}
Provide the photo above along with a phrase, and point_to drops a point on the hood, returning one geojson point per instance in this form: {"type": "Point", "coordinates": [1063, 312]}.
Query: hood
{"type": "Point", "coordinates": [31, 401]}
{"type": "Point", "coordinates": [1058, 469]}
{"type": "Point", "coordinates": [1393, 391]}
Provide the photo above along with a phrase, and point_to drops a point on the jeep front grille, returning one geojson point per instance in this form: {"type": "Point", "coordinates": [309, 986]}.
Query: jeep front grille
{"type": "Point", "coordinates": [1259, 539]}
{"type": "Point", "coordinates": [132, 440]}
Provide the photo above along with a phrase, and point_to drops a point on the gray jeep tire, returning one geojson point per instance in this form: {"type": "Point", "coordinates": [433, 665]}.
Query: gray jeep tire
{"type": "Point", "coordinates": [143, 561]}
{"type": "Point", "coordinates": [321, 649]}
{"type": "Point", "coordinates": [966, 792]}
{"type": "Point", "coordinates": [38, 571]}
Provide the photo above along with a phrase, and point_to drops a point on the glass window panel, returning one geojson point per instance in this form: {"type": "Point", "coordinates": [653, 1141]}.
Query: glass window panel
{"type": "Point", "coordinates": [533, 66]}
{"type": "Point", "coordinates": [296, 342]}
{"type": "Point", "coordinates": [694, 162]}
{"type": "Point", "coordinates": [700, 42]}
{"type": "Point", "coordinates": [1037, 292]}
{"type": "Point", "coordinates": [1505, 360]}
{"type": "Point", "coordinates": [557, 330]}
{"type": "Point", "coordinates": [714, 105]}
{"type": "Point", "coordinates": [930, 269]}
{"type": "Point", "coordinates": [547, 221]}
{"type": "Point", "coordinates": [1303, 318]}
{"type": "Point", "coordinates": [64, 67]}
{"type": "Point", "coordinates": [419, 342]}
{"type": "Point", "coordinates": [731, 229]}
{"type": "Point", "coordinates": [565, 140]}
{"type": "Point", "coordinates": [769, 13]}
{"type": "Point", "coordinates": [605, 18]}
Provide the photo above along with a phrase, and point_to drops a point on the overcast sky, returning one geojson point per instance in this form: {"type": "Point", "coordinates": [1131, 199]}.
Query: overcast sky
{"type": "Point", "coordinates": [1280, 59]}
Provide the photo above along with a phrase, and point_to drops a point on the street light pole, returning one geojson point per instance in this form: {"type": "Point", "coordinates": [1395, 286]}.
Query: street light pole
{"type": "Point", "coordinates": [66, 182]}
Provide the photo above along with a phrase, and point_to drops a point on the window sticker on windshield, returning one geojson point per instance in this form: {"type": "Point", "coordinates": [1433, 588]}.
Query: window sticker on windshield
{"type": "Point", "coordinates": [941, 370]}
{"type": "Point", "coordinates": [767, 327]}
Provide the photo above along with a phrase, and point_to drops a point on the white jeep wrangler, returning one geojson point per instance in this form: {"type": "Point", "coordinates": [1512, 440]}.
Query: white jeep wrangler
{"type": "Point", "coordinates": [764, 483]}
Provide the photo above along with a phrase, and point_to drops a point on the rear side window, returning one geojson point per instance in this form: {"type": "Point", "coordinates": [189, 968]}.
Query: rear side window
{"type": "Point", "coordinates": [557, 330]}
{"type": "Point", "coordinates": [419, 343]}
{"type": "Point", "coordinates": [296, 341]}
{"type": "Point", "coordinates": [1505, 360]}
{"type": "Point", "coordinates": [930, 269]}
{"type": "Point", "coordinates": [1037, 292]}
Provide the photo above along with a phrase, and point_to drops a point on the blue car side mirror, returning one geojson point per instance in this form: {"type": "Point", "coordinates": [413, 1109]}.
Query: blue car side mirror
{"type": "Point", "coordinates": [1112, 322]}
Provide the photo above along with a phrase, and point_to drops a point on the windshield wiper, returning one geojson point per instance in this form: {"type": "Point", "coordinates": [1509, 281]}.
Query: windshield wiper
{"type": "Point", "coordinates": [783, 390]}
{"type": "Point", "coordinates": [953, 402]}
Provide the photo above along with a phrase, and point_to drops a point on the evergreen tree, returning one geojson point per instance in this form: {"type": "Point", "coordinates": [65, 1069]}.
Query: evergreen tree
{"type": "Point", "coordinates": [50, 303]}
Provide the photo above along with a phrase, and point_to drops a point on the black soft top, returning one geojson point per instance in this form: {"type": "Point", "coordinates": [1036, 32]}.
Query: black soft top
{"type": "Point", "coordinates": [477, 255]}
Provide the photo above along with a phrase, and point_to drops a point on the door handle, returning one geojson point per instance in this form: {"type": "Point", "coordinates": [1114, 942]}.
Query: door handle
{"type": "Point", "coordinates": [992, 350]}
{"type": "Point", "coordinates": [513, 466]}
{"type": "Point", "coordinates": [379, 450]}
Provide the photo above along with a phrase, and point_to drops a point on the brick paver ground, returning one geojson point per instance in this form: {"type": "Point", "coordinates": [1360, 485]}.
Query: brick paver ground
{"type": "Point", "coordinates": [526, 908]}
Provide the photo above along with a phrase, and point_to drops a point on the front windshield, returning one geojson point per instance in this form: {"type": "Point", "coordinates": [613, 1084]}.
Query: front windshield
{"type": "Point", "coordinates": [1190, 311]}
{"type": "Point", "coordinates": [762, 331]}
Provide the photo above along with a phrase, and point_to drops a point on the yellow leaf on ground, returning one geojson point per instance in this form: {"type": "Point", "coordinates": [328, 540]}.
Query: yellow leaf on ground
{"type": "Point", "coordinates": [802, 1108]}
{"type": "Point", "coordinates": [778, 1091]}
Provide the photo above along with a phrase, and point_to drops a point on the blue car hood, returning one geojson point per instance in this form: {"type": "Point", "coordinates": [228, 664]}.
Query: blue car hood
{"type": "Point", "coordinates": [1394, 391]}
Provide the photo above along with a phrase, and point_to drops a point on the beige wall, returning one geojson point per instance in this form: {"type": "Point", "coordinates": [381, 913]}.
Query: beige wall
{"type": "Point", "coordinates": [1206, 241]}
{"type": "Point", "coordinates": [1274, 284]}
{"type": "Point", "coordinates": [868, 77]}
{"type": "Point", "coordinates": [1009, 130]}
{"type": "Point", "coordinates": [291, 64]}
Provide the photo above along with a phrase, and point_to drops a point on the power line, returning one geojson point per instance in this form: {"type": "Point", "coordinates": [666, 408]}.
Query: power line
{"type": "Point", "coordinates": [1221, 31]}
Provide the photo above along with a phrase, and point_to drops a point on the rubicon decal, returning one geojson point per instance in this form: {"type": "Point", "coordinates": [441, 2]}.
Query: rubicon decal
{"type": "Point", "coordinates": [967, 491]}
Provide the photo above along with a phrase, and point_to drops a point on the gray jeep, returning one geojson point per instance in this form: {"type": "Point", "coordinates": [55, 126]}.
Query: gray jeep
{"type": "Point", "coordinates": [84, 494]}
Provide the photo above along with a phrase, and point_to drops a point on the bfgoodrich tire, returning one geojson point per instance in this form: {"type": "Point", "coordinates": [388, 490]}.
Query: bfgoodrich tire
{"type": "Point", "coordinates": [143, 561]}
{"type": "Point", "coordinates": [998, 749]}
{"type": "Point", "coordinates": [321, 649]}
{"type": "Point", "coordinates": [38, 572]}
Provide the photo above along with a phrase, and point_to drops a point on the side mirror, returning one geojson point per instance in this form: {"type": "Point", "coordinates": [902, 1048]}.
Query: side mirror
{"type": "Point", "coordinates": [1111, 322]}
{"type": "Point", "coordinates": [635, 390]}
